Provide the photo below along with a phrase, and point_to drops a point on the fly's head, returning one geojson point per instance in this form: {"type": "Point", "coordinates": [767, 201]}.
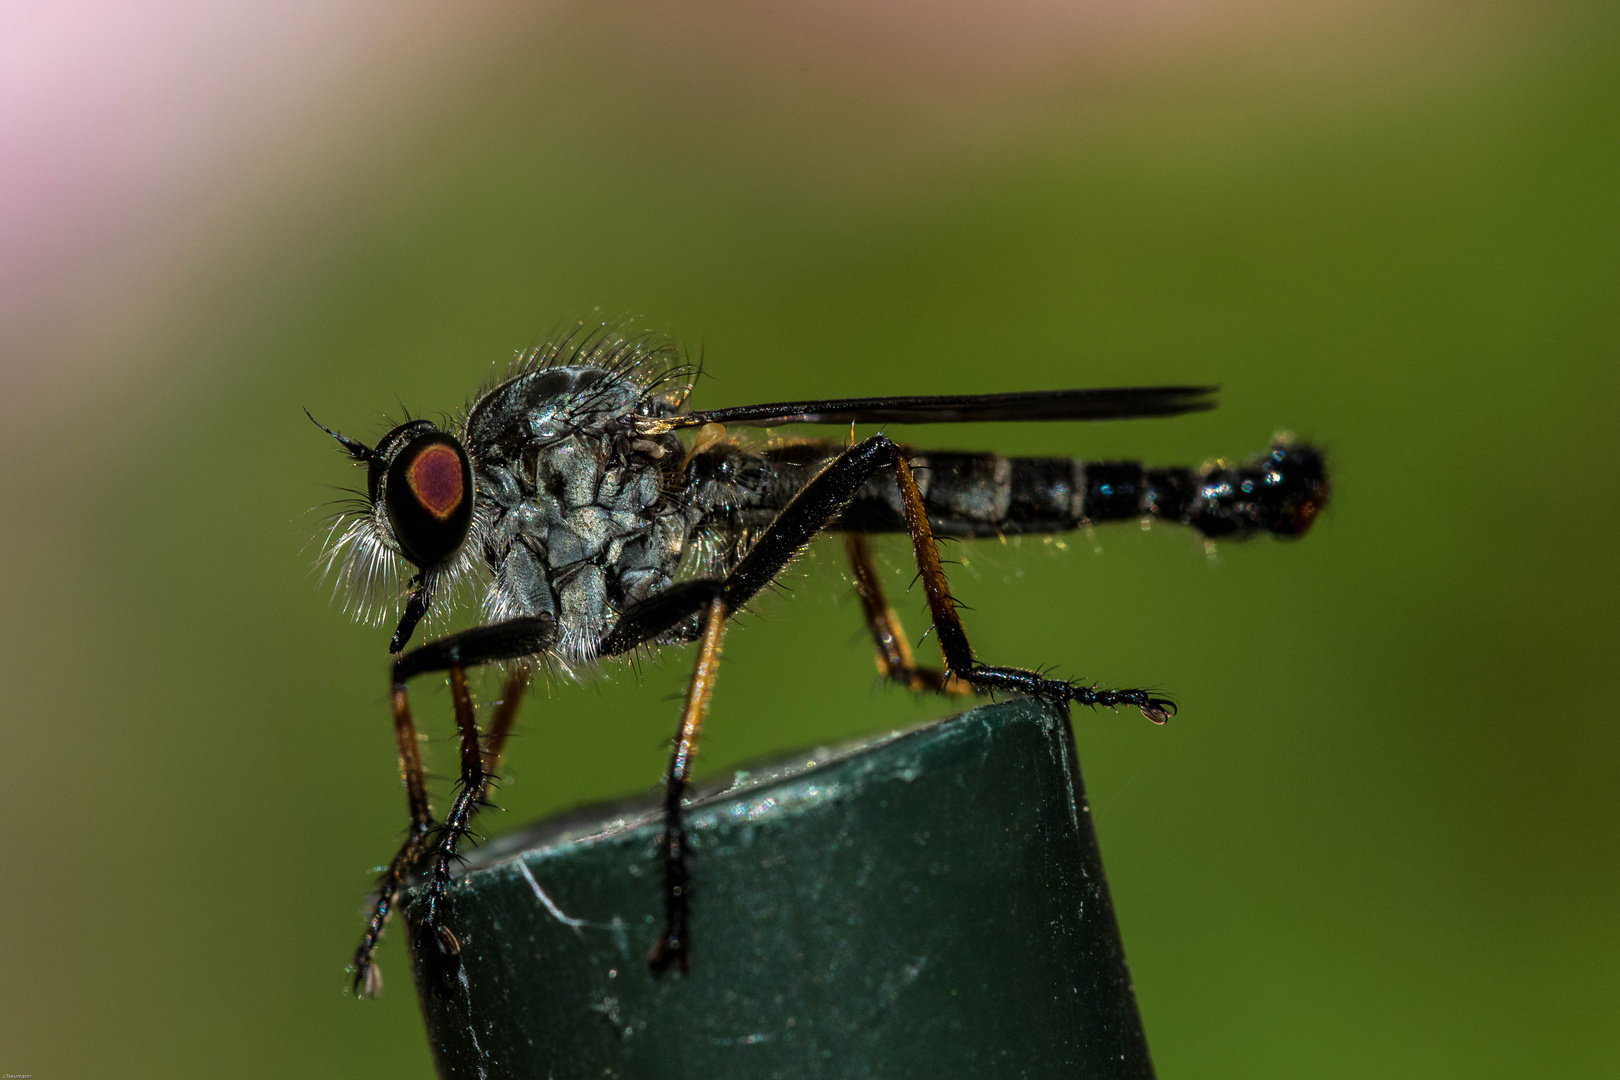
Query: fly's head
{"type": "Point", "coordinates": [418, 511]}
{"type": "Point", "coordinates": [554, 486]}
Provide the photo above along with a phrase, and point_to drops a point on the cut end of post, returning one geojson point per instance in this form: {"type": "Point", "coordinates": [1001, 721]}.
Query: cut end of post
{"type": "Point", "coordinates": [930, 902]}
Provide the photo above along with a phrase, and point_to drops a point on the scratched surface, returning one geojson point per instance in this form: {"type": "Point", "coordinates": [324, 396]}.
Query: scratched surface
{"type": "Point", "coordinates": [929, 903]}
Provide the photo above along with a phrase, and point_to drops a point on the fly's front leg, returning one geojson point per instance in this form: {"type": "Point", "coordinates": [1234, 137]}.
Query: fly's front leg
{"type": "Point", "coordinates": [367, 979]}
{"type": "Point", "coordinates": [894, 659]}
{"type": "Point", "coordinates": [953, 642]}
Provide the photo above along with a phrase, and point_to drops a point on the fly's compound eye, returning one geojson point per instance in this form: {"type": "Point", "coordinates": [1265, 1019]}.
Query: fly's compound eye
{"type": "Point", "coordinates": [429, 498]}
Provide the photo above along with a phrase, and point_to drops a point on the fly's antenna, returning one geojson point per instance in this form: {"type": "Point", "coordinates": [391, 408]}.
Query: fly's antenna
{"type": "Point", "coordinates": [358, 451]}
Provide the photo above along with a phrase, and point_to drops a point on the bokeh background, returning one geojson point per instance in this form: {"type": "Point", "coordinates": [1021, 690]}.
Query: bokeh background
{"type": "Point", "coordinates": [1380, 839]}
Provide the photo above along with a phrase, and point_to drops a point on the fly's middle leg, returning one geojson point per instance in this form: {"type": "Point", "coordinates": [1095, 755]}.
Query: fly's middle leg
{"type": "Point", "coordinates": [806, 515]}
{"type": "Point", "coordinates": [673, 946]}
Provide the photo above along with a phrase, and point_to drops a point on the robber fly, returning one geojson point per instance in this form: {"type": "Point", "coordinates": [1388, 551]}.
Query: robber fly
{"type": "Point", "coordinates": [568, 496]}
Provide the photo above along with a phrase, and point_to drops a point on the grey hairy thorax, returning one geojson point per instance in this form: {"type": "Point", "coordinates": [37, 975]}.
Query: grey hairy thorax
{"type": "Point", "coordinates": [582, 514]}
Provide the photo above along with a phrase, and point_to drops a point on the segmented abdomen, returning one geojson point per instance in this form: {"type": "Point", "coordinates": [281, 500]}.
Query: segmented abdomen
{"type": "Point", "coordinates": [1278, 492]}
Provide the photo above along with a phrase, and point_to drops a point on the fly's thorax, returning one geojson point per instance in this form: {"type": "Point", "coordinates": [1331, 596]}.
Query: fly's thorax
{"type": "Point", "coordinates": [584, 518]}
{"type": "Point", "coordinates": [537, 408]}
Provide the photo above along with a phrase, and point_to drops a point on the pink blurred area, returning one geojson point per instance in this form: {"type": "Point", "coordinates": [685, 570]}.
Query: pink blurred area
{"type": "Point", "coordinates": [130, 133]}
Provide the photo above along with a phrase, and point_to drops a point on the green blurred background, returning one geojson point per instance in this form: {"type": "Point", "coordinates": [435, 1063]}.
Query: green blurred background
{"type": "Point", "coordinates": [1381, 837]}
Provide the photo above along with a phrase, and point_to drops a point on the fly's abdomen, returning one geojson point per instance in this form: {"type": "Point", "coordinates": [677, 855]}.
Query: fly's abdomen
{"type": "Point", "coordinates": [1278, 492]}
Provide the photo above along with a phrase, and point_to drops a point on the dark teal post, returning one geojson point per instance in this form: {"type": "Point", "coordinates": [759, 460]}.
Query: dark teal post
{"type": "Point", "coordinates": [926, 904]}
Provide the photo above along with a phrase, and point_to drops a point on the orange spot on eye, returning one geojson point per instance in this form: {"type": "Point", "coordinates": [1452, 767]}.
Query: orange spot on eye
{"type": "Point", "coordinates": [435, 480]}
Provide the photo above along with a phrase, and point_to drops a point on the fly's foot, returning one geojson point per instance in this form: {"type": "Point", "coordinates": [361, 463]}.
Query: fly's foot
{"type": "Point", "coordinates": [367, 982]}
{"type": "Point", "coordinates": [1156, 709]}
{"type": "Point", "coordinates": [439, 952]}
{"type": "Point", "coordinates": [672, 947]}
{"type": "Point", "coordinates": [669, 950]}
{"type": "Point", "coordinates": [1062, 691]}
{"type": "Point", "coordinates": [366, 979]}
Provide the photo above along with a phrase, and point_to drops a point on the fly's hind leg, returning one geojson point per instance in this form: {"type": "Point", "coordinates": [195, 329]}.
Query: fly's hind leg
{"type": "Point", "coordinates": [953, 642]}
{"type": "Point", "coordinates": [894, 660]}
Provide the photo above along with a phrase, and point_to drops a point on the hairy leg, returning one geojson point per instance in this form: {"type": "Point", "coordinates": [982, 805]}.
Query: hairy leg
{"type": "Point", "coordinates": [501, 641]}
{"type": "Point", "coordinates": [367, 980]}
{"type": "Point", "coordinates": [480, 758]}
